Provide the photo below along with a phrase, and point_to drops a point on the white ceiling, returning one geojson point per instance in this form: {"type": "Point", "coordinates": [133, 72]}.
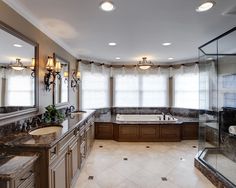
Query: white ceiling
{"type": "Point", "coordinates": [9, 53]}
{"type": "Point", "coordinates": [139, 27]}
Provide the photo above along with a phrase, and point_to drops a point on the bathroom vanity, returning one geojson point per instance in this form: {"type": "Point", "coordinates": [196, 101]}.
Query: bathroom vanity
{"type": "Point", "coordinates": [61, 159]}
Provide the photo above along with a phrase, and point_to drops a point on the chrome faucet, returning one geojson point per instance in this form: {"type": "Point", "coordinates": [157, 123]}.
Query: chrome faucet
{"type": "Point", "coordinates": [164, 116]}
{"type": "Point", "coordinates": [69, 110]}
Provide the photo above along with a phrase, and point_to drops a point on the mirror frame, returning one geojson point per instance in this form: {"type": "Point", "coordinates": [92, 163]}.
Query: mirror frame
{"type": "Point", "coordinates": [13, 116]}
{"type": "Point", "coordinates": [63, 104]}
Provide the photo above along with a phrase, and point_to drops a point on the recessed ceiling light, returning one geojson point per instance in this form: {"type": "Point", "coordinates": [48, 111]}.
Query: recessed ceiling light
{"type": "Point", "coordinates": [166, 44]}
{"type": "Point", "coordinates": [205, 6]}
{"type": "Point", "coordinates": [17, 45]}
{"type": "Point", "coordinates": [170, 58]}
{"type": "Point", "coordinates": [107, 6]}
{"type": "Point", "coordinates": [117, 58]}
{"type": "Point", "coordinates": [112, 44]}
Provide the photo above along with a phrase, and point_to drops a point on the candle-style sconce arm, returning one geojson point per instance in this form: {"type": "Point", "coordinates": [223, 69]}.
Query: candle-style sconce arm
{"type": "Point", "coordinates": [52, 74]}
{"type": "Point", "coordinates": [49, 79]}
{"type": "Point", "coordinates": [75, 80]}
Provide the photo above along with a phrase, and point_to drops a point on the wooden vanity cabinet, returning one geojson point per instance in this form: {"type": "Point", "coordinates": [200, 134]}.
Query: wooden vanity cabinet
{"type": "Point", "coordinates": [71, 153]}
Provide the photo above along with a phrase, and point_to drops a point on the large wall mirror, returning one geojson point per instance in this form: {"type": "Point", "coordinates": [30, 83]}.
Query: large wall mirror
{"type": "Point", "coordinates": [61, 88]}
{"type": "Point", "coordinates": [18, 57]}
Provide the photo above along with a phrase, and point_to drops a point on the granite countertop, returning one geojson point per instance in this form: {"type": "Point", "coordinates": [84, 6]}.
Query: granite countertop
{"type": "Point", "coordinates": [107, 118]}
{"type": "Point", "coordinates": [26, 140]}
{"type": "Point", "coordinates": [11, 165]}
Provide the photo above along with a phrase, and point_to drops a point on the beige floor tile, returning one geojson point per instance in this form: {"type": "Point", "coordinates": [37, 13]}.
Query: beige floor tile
{"type": "Point", "coordinates": [145, 166]}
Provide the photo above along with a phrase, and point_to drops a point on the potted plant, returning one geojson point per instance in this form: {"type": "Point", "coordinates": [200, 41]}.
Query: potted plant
{"type": "Point", "coordinates": [53, 115]}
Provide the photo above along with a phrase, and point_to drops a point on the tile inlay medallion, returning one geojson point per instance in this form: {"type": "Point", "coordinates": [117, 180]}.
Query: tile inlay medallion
{"type": "Point", "coordinates": [163, 178]}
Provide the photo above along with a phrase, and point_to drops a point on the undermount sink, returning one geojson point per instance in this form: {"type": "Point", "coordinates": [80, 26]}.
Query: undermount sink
{"type": "Point", "coordinates": [46, 134]}
{"type": "Point", "coordinates": [45, 130]}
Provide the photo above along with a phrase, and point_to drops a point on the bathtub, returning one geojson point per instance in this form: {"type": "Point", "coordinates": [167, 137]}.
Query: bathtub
{"type": "Point", "coordinates": [145, 117]}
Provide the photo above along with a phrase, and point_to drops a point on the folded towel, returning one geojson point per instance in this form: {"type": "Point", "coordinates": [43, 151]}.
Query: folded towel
{"type": "Point", "coordinates": [232, 129]}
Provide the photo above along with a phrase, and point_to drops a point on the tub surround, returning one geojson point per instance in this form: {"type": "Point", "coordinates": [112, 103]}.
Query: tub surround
{"type": "Point", "coordinates": [107, 127]}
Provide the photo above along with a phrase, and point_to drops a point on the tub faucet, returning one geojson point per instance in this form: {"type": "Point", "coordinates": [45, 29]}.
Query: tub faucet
{"type": "Point", "coordinates": [164, 116]}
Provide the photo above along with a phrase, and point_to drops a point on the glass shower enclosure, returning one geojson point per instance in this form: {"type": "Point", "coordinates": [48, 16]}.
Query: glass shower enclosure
{"type": "Point", "coordinates": [217, 127]}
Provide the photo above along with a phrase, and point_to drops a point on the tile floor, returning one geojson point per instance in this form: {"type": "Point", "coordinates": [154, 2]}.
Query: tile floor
{"type": "Point", "coordinates": [162, 165]}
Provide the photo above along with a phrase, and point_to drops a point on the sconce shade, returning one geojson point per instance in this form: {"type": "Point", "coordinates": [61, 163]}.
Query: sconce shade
{"type": "Point", "coordinates": [66, 74]}
{"type": "Point", "coordinates": [78, 75]}
{"type": "Point", "coordinates": [32, 64]}
{"type": "Point", "coordinates": [58, 67]}
{"type": "Point", "coordinates": [17, 65]}
{"type": "Point", "coordinates": [50, 64]}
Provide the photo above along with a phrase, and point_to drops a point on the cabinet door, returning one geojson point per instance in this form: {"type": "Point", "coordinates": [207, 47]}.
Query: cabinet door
{"type": "Point", "coordinates": [88, 140]}
{"type": "Point", "coordinates": [74, 157]}
{"type": "Point", "coordinates": [149, 132]}
{"type": "Point", "coordinates": [104, 131]}
{"type": "Point", "coordinates": [170, 132]}
{"type": "Point", "coordinates": [129, 132]}
{"type": "Point", "coordinates": [58, 173]}
{"type": "Point", "coordinates": [92, 133]}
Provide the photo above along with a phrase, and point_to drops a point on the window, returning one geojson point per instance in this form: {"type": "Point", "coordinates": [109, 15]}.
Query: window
{"type": "Point", "coordinates": [186, 91]}
{"type": "Point", "coordinates": [16, 92]}
{"type": "Point", "coordinates": [126, 91]}
{"type": "Point", "coordinates": [143, 91]}
{"type": "Point", "coordinates": [154, 91]}
{"type": "Point", "coordinates": [95, 90]}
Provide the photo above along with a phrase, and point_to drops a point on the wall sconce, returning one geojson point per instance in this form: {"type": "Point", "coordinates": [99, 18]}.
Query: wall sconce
{"type": "Point", "coordinates": [75, 80]}
{"type": "Point", "coordinates": [66, 76]}
{"type": "Point", "coordinates": [52, 74]}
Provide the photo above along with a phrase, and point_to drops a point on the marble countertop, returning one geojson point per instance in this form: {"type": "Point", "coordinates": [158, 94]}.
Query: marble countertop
{"type": "Point", "coordinates": [11, 165]}
{"type": "Point", "coordinates": [107, 118]}
{"type": "Point", "coordinates": [26, 140]}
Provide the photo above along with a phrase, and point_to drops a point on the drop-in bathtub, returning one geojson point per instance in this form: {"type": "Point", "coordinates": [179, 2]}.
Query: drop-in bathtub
{"type": "Point", "coordinates": [145, 117]}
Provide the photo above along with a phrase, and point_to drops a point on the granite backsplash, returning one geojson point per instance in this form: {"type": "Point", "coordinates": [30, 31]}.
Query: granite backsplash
{"type": "Point", "coordinates": [144, 110]}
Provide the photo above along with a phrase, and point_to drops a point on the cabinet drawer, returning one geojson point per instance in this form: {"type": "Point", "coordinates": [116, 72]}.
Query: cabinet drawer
{"type": "Point", "coordinates": [25, 177]}
{"type": "Point", "coordinates": [66, 141]}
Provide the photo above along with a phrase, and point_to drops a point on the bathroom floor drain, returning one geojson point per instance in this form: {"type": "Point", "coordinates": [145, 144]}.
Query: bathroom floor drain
{"type": "Point", "coordinates": [163, 178]}
{"type": "Point", "coordinates": [125, 159]}
{"type": "Point", "coordinates": [90, 178]}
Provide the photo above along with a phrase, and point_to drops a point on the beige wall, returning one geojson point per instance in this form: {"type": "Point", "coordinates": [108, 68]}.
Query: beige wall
{"type": "Point", "coordinates": [46, 48]}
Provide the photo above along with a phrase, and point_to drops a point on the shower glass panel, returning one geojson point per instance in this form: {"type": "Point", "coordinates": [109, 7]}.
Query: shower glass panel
{"type": "Point", "coordinates": [217, 127]}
